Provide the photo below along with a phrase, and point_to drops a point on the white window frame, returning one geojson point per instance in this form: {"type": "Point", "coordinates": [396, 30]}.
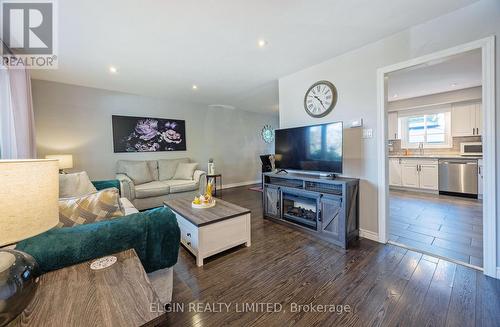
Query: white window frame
{"type": "Point", "coordinates": [403, 130]}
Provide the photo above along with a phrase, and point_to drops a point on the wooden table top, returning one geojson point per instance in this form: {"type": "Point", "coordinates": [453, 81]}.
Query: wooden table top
{"type": "Point", "coordinates": [200, 217]}
{"type": "Point", "coordinates": [120, 295]}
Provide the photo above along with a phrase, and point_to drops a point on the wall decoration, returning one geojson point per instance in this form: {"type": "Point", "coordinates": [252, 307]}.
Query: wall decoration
{"type": "Point", "coordinates": [320, 99]}
{"type": "Point", "coordinates": [267, 134]}
{"type": "Point", "coordinates": [143, 134]}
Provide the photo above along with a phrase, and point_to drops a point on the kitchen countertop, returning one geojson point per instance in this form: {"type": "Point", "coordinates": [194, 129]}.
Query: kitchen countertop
{"type": "Point", "coordinates": [435, 156]}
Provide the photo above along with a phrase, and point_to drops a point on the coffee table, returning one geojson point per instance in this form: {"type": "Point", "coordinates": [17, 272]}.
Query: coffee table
{"type": "Point", "coordinates": [120, 295]}
{"type": "Point", "coordinates": [205, 232]}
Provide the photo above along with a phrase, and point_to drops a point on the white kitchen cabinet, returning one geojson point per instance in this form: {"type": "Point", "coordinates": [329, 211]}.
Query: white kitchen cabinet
{"type": "Point", "coordinates": [429, 176]}
{"type": "Point", "coordinates": [480, 184]}
{"type": "Point", "coordinates": [395, 172]}
{"type": "Point", "coordinates": [415, 173]}
{"type": "Point", "coordinates": [479, 119]}
{"type": "Point", "coordinates": [392, 126]}
{"type": "Point", "coordinates": [409, 173]}
{"type": "Point", "coordinates": [466, 119]}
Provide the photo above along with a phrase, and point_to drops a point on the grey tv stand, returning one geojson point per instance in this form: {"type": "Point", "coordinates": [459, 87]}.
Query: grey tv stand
{"type": "Point", "coordinates": [327, 208]}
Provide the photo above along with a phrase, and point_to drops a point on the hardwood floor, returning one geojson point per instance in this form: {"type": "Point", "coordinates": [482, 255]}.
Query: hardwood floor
{"type": "Point", "coordinates": [446, 226]}
{"type": "Point", "coordinates": [383, 285]}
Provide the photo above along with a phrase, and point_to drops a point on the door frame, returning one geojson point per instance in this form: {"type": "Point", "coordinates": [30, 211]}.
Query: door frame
{"type": "Point", "coordinates": [487, 47]}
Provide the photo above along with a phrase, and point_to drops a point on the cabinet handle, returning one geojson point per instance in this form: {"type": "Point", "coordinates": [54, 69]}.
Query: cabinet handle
{"type": "Point", "coordinates": [319, 215]}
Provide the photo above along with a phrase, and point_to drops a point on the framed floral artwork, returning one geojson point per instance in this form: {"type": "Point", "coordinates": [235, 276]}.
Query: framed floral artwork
{"type": "Point", "coordinates": [144, 134]}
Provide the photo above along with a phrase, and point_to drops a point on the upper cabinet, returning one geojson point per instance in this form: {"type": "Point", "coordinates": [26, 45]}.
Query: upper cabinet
{"type": "Point", "coordinates": [392, 126]}
{"type": "Point", "coordinates": [466, 119]}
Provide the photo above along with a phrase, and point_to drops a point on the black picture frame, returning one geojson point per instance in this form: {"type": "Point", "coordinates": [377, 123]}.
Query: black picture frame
{"type": "Point", "coordinates": [147, 134]}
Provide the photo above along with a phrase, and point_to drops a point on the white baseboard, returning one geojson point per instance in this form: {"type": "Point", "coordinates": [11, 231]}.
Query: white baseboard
{"type": "Point", "coordinates": [225, 186]}
{"type": "Point", "coordinates": [368, 235]}
{"type": "Point", "coordinates": [498, 272]}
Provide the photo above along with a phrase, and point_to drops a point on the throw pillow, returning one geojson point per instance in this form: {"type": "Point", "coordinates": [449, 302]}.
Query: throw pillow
{"type": "Point", "coordinates": [138, 171]}
{"type": "Point", "coordinates": [185, 171]}
{"type": "Point", "coordinates": [90, 208]}
{"type": "Point", "coordinates": [76, 184]}
{"type": "Point", "coordinates": [167, 167]}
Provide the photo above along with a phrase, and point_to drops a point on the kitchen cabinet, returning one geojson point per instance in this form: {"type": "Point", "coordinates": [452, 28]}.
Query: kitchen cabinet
{"type": "Point", "coordinates": [429, 176]}
{"type": "Point", "coordinates": [466, 119]}
{"type": "Point", "coordinates": [416, 173]}
{"type": "Point", "coordinates": [480, 184]}
{"type": "Point", "coordinates": [409, 173]}
{"type": "Point", "coordinates": [395, 172]}
{"type": "Point", "coordinates": [392, 126]}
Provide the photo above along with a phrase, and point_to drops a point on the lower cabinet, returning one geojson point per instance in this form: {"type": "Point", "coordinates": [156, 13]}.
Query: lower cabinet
{"type": "Point", "coordinates": [272, 199]}
{"type": "Point", "coordinates": [480, 182]}
{"type": "Point", "coordinates": [332, 220]}
{"type": "Point", "coordinates": [414, 173]}
{"type": "Point", "coordinates": [429, 176]}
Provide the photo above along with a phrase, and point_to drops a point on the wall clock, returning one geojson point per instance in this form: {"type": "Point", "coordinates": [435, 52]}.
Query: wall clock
{"type": "Point", "coordinates": [267, 133]}
{"type": "Point", "coordinates": [320, 99]}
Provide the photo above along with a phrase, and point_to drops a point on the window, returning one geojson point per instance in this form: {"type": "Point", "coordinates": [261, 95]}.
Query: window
{"type": "Point", "coordinates": [432, 129]}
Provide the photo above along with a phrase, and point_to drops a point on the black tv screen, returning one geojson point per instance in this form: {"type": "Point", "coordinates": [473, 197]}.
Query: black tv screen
{"type": "Point", "coordinates": [312, 148]}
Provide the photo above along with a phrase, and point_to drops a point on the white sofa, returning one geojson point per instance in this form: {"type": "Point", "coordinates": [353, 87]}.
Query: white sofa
{"type": "Point", "coordinates": [148, 183]}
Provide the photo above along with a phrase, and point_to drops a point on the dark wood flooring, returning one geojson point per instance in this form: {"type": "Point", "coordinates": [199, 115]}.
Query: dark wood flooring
{"type": "Point", "coordinates": [447, 226]}
{"type": "Point", "coordinates": [384, 285]}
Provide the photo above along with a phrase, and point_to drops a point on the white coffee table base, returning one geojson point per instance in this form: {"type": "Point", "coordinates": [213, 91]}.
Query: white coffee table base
{"type": "Point", "coordinates": [207, 240]}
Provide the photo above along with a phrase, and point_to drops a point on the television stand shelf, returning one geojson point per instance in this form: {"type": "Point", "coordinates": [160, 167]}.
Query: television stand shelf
{"type": "Point", "coordinates": [326, 208]}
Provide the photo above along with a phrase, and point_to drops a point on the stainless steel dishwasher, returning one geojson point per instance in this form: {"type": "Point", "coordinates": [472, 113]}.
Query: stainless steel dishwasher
{"type": "Point", "coordinates": [458, 176]}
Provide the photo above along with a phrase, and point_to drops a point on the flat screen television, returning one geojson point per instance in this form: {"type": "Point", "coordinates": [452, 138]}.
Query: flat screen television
{"type": "Point", "coordinates": [312, 148]}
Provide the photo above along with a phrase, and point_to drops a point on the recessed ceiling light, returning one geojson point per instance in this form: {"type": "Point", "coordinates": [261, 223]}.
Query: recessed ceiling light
{"type": "Point", "coordinates": [113, 69]}
{"type": "Point", "coordinates": [195, 87]}
{"type": "Point", "coordinates": [262, 43]}
{"type": "Point", "coordinates": [395, 95]}
{"type": "Point", "coordinates": [453, 84]}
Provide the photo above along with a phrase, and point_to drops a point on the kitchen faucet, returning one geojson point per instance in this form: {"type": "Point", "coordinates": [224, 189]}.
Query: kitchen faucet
{"type": "Point", "coordinates": [421, 148]}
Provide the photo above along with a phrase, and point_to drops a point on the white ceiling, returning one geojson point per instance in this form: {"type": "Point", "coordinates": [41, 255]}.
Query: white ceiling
{"type": "Point", "coordinates": [162, 48]}
{"type": "Point", "coordinates": [452, 73]}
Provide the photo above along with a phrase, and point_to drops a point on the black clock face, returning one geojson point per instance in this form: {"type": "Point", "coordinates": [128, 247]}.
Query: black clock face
{"type": "Point", "coordinates": [320, 99]}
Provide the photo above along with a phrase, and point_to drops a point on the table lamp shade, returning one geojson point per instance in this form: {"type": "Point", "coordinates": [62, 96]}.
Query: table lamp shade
{"type": "Point", "coordinates": [65, 160]}
{"type": "Point", "coordinates": [29, 192]}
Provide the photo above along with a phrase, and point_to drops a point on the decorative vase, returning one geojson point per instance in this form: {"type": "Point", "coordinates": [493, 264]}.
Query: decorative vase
{"type": "Point", "coordinates": [18, 283]}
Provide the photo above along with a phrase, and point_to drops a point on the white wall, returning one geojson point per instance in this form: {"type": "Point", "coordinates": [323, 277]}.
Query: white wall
{"type": "Point", "coordinates": [354, 75]}
{"type": "Point", "coordinates": [77, 120]}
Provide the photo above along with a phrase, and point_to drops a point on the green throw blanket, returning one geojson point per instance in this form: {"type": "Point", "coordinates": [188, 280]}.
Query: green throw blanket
{"type": "Point", "coordinates": [154, 235]}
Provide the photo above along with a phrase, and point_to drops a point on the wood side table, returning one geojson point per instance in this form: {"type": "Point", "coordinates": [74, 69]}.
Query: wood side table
{"type": "Point", "coordinates": [120, 295]}
{"type": "Point", "coordinates": [214, 176]}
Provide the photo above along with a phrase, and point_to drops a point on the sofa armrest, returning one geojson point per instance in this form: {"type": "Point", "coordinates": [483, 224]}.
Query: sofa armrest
{"type": "Point", "coordinates": [154, 234]}
{"type": "Point", "coordinates": [127, 188]}
{"type": "Point", "coordinates": [199, 177]}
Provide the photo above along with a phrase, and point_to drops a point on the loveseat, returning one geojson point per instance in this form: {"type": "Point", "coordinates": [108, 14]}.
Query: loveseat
{"type": "Point", "coordinates": [147, 183]}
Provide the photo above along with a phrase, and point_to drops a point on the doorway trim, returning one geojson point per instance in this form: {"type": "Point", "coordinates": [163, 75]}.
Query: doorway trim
{"type": "Point", "coordinates": [487, 47]}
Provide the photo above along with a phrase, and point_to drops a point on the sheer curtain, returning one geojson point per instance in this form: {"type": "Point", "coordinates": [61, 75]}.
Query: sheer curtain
{"type": "Point", "coordinates": [17, 128]}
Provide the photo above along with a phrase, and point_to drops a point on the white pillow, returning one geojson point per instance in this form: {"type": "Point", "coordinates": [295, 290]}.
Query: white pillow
{"type": "Point", "coordinates": [75, 184]}
{"type": "Point", "coordinates": [138, 171]}
{"type": "Point", "coordinates": [185, 170]}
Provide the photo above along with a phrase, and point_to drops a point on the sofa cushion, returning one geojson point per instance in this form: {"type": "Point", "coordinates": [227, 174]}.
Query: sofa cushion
{"type": "Point", "coordinates": [167, 167]}
{"type": "Point", "coordinates": [151, 189]}
{"type": "Point", "coordinates": [76, 184]}
{"type": "Point", "coordinates": [138, 171]}
{"type": "Point", "coordinates": [185, 171]}
{"type": "Point", "coordinates": [181, 185]}
{"type": "Point", "coordinates": [90, 208]}
{"type": "Point", "coordinates": [152, 165]}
